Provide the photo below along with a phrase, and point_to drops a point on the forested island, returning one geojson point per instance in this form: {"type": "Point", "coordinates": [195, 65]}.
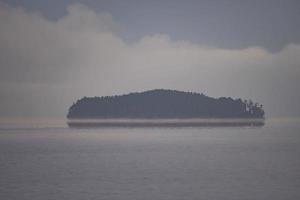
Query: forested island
{"type": "Point", "coordinates": [164, 104]}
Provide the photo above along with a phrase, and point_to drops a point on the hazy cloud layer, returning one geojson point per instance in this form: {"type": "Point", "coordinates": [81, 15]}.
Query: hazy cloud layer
{"type": "Point", "coordinates": [229, 24]}
{"type": "Point", "coordinates": [46, 65]}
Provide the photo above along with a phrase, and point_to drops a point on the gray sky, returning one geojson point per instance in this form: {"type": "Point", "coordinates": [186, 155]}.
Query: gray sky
{"type": "Point", "coordinates": [54, 52]}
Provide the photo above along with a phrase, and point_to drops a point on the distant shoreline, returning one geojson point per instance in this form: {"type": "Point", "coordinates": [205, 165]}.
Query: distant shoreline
{"type": "Point", "coordinates": [172, 122]}
{"type": "Point", "coordinates": [164, 104]}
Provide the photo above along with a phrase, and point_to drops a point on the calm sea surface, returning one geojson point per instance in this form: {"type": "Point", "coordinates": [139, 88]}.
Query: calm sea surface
{"type": "Point", "coordinates": [212, 163]}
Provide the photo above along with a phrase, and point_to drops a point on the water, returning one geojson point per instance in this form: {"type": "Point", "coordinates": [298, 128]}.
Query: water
{"type": "Point", "coordinates": [151, 163]}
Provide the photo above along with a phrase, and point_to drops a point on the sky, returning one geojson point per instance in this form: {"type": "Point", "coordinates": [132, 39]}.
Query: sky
{"type": "Point", "coordinates": [55, 52]}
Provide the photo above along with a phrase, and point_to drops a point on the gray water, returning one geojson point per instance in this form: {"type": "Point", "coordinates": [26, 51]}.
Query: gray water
{"type": "Point", "coordinates": [151, 163]}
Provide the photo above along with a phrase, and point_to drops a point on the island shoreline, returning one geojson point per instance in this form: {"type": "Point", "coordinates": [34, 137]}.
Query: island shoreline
{"type": "Point", "coordinates": [171, 122]}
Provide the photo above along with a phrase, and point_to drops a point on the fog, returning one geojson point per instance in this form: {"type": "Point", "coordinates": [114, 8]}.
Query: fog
{"type": "Point", "coordinates": [46, 65]}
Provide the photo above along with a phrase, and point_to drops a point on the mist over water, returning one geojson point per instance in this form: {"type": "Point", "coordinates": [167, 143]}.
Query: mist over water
{"type": "Point", "coordinates": [151, 163]}
{"type": "Point", "coordinates": [149, 100]}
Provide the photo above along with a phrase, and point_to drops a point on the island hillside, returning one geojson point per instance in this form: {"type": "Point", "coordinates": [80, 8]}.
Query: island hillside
{"type": "Point", "coordinates": [161, 103]}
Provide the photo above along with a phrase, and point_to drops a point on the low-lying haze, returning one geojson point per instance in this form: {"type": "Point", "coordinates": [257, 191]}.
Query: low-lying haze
{"type": "Point", "coordinates": [48, 64]}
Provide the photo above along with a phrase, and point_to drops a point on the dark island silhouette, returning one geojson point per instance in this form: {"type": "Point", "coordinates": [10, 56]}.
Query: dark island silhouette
{"type": "Point", "coordinates": [164, 107]}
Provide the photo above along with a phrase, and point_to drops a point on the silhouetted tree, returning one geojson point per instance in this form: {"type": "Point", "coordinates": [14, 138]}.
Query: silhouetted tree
{"type": "Point", "coordinates": [164, 104]}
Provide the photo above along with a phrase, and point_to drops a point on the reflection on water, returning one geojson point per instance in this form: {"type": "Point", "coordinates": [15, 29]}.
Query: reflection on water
{"type": "Point", "coordinates": [226, 163]}
{"type": "Point", "coordinates": [79, 123]}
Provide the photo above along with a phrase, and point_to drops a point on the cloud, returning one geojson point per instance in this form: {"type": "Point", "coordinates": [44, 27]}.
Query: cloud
{"type": "Point", "coordinates": [46, 65]}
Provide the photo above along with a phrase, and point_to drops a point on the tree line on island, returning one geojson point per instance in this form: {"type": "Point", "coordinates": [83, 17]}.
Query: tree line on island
{"type": "Point", "coordinates": [161, 103]}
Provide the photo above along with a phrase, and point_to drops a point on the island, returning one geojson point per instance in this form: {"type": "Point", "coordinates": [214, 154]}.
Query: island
{"type": "Point", "coordinates": [164, 107]}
